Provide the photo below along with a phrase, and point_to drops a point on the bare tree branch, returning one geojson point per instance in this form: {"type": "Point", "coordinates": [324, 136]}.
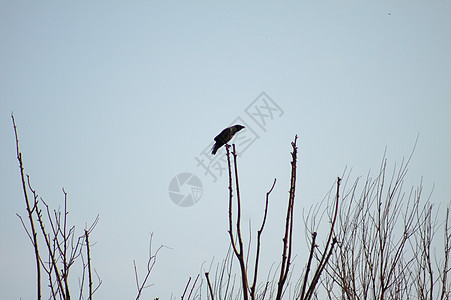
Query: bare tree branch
{"type": "Point", "coordinates": [209, 286]}
{"type": "Point", "coordinates": [150, 264]}
{"type": "Point", "coordinates": [287, 239]}
{"type": "Point", "coordinates": [33, 237]}
{"type": "Point", "coordinates": [259, 233]}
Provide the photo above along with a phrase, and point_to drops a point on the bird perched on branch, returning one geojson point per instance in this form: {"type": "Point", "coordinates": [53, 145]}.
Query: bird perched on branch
{"type": "Point", "coordinates": [225, 136]}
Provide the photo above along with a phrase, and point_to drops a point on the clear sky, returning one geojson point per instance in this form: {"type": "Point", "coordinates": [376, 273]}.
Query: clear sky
{"type": "Point", "coordinates": [113, 100]}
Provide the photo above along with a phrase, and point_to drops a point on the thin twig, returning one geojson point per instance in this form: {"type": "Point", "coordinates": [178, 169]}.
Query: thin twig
{"type": "Point", "coordinates": [89, 264]}
{"type": "Point", "coordinates": [307, 271]}
{"type": "Point", "coordinates": [29, 211]}
{"type": "Point", "coordinates": [326, 255]}
{"type": "Point", "coordinates": [150, 264]}
{"type": "Point", "coordinates": [259, 233]}
{"type": "Point", "coordinates": [186, 287]}
{"type": "Point", "coordinates": [194, 284]}
{"type": "Point", "coordinates": [209, 286]}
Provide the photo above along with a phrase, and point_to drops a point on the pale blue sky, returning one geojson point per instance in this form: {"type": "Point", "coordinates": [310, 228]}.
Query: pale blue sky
{"type": "Point", "coordinates": [114, 99]}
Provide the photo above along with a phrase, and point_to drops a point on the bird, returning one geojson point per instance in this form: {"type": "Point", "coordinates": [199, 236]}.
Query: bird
{"type": "Point", "coordinates": [225, 136]}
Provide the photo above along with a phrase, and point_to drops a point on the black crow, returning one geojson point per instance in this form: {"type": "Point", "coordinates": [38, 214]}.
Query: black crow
{"type": "Point", "coordinates": [225, 136]}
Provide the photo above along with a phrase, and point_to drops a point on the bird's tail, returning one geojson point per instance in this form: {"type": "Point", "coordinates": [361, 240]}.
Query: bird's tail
{"type": "Point", "coordinates": [214, 149]}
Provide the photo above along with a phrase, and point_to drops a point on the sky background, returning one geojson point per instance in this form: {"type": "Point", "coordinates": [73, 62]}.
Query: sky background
{"type": "Point", "coordinates": [113, 100]}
